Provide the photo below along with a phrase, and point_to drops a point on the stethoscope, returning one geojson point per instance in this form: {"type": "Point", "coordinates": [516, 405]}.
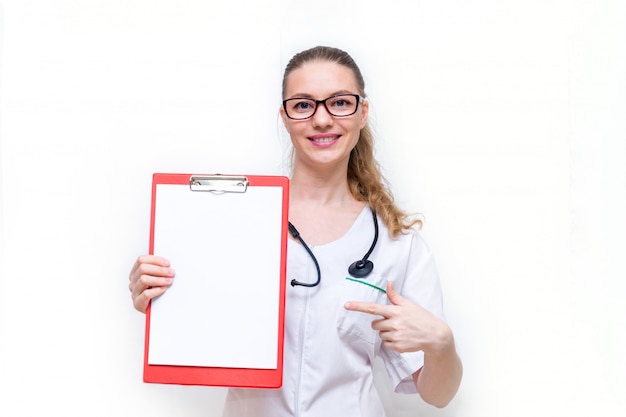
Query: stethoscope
{"type": "Point", "coordinates": [359, 269]}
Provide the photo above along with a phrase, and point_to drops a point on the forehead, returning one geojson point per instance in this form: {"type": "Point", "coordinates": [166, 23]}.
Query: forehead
{"type": "Point", "coordinates": [320, 79]}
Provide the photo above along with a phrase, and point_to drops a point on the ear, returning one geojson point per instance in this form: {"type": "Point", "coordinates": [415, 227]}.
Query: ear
{"type": "Point", "coordinates": [283, 116]}
{"type": "Point", "coordinates": [365, 108]}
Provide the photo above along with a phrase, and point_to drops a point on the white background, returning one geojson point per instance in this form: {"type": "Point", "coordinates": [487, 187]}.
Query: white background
{"type": "Point", "coordinates": [502, 121]}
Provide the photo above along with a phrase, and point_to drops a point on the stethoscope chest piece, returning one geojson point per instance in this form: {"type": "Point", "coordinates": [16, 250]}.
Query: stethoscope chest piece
{"type": "Point", "coordinates": [361, 269]}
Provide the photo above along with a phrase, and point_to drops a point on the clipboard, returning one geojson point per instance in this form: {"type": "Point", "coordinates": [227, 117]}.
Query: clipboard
{"type": "Point", "coordinates": [221, 323]}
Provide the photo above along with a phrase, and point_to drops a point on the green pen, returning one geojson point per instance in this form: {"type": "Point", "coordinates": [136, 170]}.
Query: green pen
{"type": "Point", "coordinates": [367, 283]}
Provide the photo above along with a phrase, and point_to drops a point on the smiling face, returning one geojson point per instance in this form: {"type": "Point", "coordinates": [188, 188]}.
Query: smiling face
{"type": "Point", "coordinates": [323, 140]}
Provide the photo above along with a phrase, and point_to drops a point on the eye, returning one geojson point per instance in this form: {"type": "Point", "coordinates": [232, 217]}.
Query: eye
{"type": "Point", "coordinates": [342, 102]}
{"type": "Point", "coordinates": [302, 106]}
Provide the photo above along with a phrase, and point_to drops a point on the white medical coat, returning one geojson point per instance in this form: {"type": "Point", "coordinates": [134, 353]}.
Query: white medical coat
{"type": "Point", "coordinates": [329, 351]}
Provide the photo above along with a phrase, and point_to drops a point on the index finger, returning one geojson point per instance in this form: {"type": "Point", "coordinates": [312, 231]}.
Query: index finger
{"type": "Point", "coordinates": [368, 308]}
{"type": "Point", "coordinates": [150, 259]}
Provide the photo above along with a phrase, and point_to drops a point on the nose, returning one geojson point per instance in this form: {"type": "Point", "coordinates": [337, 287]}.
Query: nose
{"type": "Point", "coordinates": [322, 117]}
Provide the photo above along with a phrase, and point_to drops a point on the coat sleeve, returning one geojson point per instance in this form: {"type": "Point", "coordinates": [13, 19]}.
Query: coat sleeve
{"type": "Point", "coordinates": [419, 284]}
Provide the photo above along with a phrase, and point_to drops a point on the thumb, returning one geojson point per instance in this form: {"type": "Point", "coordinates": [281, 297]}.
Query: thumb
{"type": "Point", "coordinates": [394, 297]}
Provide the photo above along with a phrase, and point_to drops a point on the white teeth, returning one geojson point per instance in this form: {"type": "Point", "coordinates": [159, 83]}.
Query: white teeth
{"type": "Point", "coordinates": [322, 140]}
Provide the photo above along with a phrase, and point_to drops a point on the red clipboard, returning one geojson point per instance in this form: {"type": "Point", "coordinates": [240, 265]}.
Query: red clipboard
{"type": "Point", "coordinates": [221, 323]}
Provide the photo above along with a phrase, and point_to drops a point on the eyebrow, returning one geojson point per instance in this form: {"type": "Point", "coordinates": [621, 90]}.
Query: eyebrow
{"type": "Point", "coordinates": [306, 95]}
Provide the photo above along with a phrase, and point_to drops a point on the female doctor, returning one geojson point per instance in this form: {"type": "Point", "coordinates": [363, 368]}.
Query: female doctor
{"type": "Point", "coordinates": [341, 314]}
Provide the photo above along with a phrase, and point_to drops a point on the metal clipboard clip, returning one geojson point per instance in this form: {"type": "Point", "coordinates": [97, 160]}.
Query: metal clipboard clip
{"type": "Point", "coordinates": [218, 184]}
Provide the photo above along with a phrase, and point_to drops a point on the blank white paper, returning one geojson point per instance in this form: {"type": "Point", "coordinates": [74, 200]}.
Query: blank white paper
{"type": "Point", "coordinates": [223, 308]}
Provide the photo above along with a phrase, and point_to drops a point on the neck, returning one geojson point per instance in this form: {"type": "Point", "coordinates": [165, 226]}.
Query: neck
{"type": "Point", "coordinates": [320, 188]}
{"type": "Point", "coordinates": [320, 203]}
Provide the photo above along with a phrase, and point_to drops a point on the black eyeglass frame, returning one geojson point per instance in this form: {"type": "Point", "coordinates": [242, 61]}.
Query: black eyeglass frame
{"type": "Point", "coordinates": [358, 98]}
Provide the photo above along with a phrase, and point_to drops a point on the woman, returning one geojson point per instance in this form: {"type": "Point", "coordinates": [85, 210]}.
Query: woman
{"type": "Point", "coordinates": [338, 321]}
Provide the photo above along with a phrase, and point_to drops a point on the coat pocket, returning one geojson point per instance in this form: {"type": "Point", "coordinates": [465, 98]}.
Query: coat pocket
{"type": "Point", "coordinates": [353, 324]}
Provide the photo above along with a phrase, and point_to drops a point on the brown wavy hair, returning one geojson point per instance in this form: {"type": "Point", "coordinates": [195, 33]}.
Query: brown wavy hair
{"type": "Point", "coordinates": [365, 179]}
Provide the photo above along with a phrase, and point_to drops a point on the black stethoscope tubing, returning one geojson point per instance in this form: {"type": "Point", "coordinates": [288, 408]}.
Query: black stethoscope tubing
{"type": "Point", "coordinates": [294, 232]}
{"type": "Point", "coordinates": [359, 269]}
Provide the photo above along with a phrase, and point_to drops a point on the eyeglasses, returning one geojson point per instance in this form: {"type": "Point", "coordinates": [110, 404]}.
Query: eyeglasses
{"type": "Point", "coordinates": [340, 105]}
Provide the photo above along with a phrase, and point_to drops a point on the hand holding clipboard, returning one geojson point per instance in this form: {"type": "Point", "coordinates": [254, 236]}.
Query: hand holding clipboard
{"type": "Point", "coordinates": [149, 278]}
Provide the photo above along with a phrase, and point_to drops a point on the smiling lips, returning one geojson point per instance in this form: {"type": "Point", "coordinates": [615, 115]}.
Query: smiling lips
{"type": "Point", "coordinates": [324, 140]}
